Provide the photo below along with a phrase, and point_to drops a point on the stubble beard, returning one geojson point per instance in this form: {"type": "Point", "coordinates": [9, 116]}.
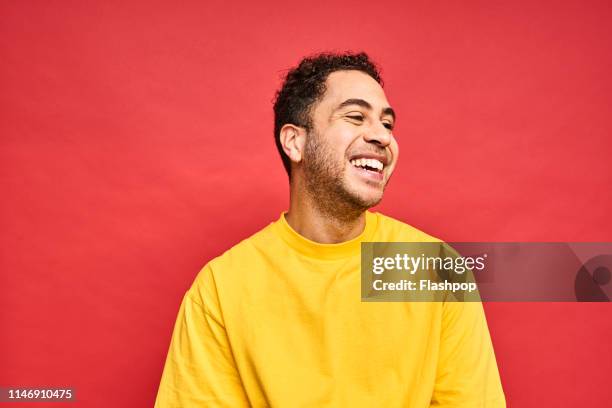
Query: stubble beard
{"type": "Point", "coordinates": [325, 183]}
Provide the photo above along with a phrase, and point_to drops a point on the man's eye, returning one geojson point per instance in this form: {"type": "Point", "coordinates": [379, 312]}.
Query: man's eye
{"type": "Point", "coordinates": [355, 117]}
{"type": "Point", "coordinates": [388, 125]}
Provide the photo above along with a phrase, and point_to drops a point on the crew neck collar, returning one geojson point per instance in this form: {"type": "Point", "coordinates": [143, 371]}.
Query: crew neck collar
{"type": "Point", "coordinates": [326, 251]}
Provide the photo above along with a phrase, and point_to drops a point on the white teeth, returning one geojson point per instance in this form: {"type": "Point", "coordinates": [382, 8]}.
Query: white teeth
{"type": "Point", "coordinates": [372, 163]}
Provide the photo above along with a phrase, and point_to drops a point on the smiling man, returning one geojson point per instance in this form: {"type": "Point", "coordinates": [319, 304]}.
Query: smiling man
{"type": "Point", "coordinates": [277, 321]}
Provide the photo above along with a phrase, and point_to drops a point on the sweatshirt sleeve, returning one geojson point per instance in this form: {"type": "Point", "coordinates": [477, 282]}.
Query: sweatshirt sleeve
{"type": "Point", "coordinates": [467, 374]}
{"type": "Point", "coordinates": [200, 368]}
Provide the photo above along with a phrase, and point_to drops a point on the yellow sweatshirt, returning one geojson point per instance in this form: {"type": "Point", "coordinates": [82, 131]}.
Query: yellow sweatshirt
{"type": "Point", "coordinates": [277, 321]}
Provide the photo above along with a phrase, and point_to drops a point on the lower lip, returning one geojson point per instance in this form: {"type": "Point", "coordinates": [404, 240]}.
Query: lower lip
{"type": "Point", "coordinates": [370, 175]}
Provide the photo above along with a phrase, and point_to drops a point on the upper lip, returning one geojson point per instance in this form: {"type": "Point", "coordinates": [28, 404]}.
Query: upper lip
{"type": "Point", "coordinates": [368, 155]}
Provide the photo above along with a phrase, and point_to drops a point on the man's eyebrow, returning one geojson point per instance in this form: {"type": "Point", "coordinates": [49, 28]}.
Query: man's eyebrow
{"type": "Point", "coordinates": [365, 104]}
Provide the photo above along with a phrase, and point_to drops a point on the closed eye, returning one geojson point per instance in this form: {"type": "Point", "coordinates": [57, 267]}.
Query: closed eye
{"type": "Point", "coordinates": [355, 117]}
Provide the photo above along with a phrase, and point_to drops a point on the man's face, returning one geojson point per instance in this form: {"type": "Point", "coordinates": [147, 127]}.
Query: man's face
{"type": "Point", "coordinates": [350, 152]}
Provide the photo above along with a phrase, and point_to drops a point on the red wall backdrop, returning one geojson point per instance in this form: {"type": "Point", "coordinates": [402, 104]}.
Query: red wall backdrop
{"type": "Point", "coordinates": [136, 144]}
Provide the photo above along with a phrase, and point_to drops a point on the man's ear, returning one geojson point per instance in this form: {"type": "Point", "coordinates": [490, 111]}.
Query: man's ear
{"type": "Point", "coordinates": [292, 139]}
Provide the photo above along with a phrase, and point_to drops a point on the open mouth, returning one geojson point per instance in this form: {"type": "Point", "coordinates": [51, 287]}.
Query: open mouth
{"type": "Point", "coordinates": [371, 165]}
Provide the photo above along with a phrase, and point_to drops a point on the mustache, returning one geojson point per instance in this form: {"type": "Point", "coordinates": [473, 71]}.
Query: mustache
{"type": "Point", "coordinates": [372, 150]}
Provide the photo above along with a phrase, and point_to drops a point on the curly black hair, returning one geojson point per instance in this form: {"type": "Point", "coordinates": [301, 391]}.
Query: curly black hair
{"type": "Point", "coordinates": [304, 85]}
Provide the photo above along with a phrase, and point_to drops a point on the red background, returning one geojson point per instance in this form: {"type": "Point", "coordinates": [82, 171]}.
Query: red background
{"type": "Point", "coordinates": [136, 144]}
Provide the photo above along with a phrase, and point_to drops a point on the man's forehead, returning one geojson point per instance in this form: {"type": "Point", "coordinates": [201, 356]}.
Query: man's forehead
{"type": "Point", "coordinates": [344, 85]}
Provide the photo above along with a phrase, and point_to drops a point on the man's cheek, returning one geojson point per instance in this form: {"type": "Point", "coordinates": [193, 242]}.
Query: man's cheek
{"type": "Point", "coordinates": [395, 151]}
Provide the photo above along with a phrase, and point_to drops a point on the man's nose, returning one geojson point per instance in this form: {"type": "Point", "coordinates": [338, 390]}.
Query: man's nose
{"type": "Point", "coordinates": [379, 134]}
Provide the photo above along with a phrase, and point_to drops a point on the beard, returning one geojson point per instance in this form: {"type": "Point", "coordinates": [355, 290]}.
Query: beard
{"type": "Point", "coordinates": [326, 183]}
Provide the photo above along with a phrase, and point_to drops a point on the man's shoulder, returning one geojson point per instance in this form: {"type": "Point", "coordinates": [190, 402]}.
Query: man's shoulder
{"type": "Point", "coordinates": [391, 229]}
{"type": "Point", "coordinates": [246, 251]}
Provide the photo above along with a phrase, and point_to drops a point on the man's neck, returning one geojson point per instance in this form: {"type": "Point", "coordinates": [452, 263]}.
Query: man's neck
{"type": "Point", "coordinates": [311, 221]}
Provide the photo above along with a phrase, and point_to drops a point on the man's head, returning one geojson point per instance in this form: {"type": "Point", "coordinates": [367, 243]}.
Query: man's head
{"type": "Point", "coordinates": [333, 128]}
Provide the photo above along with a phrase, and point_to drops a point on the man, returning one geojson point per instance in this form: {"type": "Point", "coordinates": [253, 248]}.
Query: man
{"type": "Point", "coordinates": [277, 320]}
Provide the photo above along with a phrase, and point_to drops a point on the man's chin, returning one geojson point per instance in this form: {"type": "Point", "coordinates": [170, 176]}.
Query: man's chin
{"type": "Point", "coordinates": [365, 200]}
{"type": "Point", "coordinates": [372, 202]}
